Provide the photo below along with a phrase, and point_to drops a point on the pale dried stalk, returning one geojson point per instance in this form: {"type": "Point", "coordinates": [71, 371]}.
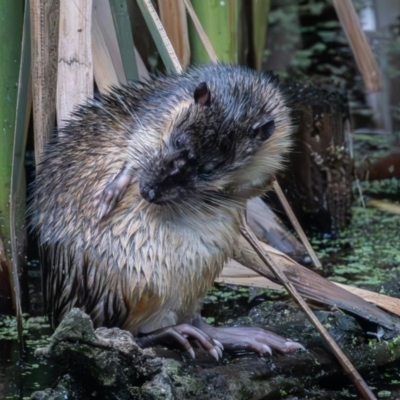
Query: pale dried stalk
{"type": "Point", "coordinates": [296, 225]}
{"type": "Point", "coordinates": [363, 55]}
{"type": "Point", "coordinates": [44, 41]}
{"type": "Point", "coordinates": [387, 303]}
{"type": "Point", "coordinates": [203, 37]}
{"type": "Point", "coordinates": [387, 206]}
{"type": "Point", "coordinates": [107, 61]}
{"type": "Point", "coordinates": [173, 17]}
{"type": "Point", "coordinates": [237, 274]}
{"type": "Point", "coordinates": [75, 65]}
{"type": "Point", "coordinates": [159, 35]}
{"type": "Point", "coordinates": [104, 72]}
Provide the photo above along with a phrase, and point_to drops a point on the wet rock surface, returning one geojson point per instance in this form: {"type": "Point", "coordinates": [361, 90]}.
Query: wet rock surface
{"type": "Point", "coordinates": [107, 363]}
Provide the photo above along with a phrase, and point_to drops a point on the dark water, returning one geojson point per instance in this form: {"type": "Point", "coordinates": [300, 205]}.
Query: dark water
{"type": "Point", "coordinates": [21, 373]}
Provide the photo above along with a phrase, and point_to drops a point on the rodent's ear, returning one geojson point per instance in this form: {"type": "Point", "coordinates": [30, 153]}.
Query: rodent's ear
{"type": "Point", "coordinates": [264, 129]}
{"type": "Point", "coordinates": [202, 94]}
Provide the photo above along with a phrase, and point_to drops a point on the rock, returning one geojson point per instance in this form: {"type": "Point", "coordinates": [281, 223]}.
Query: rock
{"type": "Point", "coordinates": [109, 363]}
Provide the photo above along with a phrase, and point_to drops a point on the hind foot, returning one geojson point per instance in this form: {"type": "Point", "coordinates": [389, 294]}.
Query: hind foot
{"type": "Point", "coordinates": [180, 335]}
{"type": "Point", "coordinates": [248, 338]}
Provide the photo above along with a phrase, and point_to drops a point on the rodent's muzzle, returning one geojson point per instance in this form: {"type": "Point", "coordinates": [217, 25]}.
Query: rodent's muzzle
{"type": "Point", "coordinates": [158, 194]}
{"type": "Point", "coordinates": [168, 181]}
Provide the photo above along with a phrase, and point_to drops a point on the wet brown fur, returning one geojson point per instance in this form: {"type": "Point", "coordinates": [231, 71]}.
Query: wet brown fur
{"type": "Point", "coordinates": [143, 266]}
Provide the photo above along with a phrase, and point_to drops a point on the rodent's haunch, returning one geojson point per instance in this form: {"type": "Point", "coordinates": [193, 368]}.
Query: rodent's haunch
{"type": "Point", "coordinates": [136, 201]}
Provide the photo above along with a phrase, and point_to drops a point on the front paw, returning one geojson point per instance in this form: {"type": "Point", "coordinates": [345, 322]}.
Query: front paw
{"type": "Point", "coordinates": [107, 200]}
{"type": "Point", "coordinates": [112, 193]}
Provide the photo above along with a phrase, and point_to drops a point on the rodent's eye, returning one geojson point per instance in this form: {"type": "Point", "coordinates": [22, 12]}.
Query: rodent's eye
{"type": "Point", "coordinates": [179, 142]}
{"type": "Point", "coordinates": [206, 169]}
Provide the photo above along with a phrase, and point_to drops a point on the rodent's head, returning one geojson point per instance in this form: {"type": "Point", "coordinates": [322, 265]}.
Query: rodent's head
{"type": "Point", "coordinates": [229, 139]}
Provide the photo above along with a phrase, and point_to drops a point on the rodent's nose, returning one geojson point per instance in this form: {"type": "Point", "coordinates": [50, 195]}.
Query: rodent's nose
{"type": "Point", "coordinates": [149, 193]}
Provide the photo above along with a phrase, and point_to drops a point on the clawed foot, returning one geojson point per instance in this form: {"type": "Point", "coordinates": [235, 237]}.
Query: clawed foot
{"type": "Point", "coordinates": [112, 193]}
{"type": "Point", "coordinates": [180, 335]}
{"type": "Point", "coordinates": [252, 339]}
{"type": "Point", "coordinates": [214, 340]}
{"type": "Point", "coordinates": [247, 338]}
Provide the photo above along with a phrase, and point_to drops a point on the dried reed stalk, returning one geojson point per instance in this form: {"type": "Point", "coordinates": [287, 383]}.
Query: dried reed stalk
{"type": "Point", "coordinates": [107, 61]}
{"type": "Point", "coordinates": [387, 303]}
{"type": "Point", "coordinates": [203, 37]}
{"type": "Point", "coordinates": [299, 230]}
{"type": "Point", "coordinates": [237, 274]}
{"type": "Point", "coordinates": [363, 55]}
{"type": "Point", "coordinates": [75, 66]}
{"type": "Point", "coordinates": [173, 17]}
{"type": "Point", "coordinates": [44, 40]}
{"type": "Point", "coordinates": [159, 35]}
{"type": "Point", "coordinates": [270, 229]}
{"type": "Point", "coordinates": [104, 70]}
{"type": "Point", "coordinates": [387, 206]}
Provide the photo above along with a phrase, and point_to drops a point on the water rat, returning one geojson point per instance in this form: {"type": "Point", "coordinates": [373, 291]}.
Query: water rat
{"type": "Point", "coordinates": [136, 201]}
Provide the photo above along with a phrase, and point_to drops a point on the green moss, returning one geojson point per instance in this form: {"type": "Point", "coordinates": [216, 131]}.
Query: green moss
{"type": "Point", "coordinates": [366, 253]}
{"type": "Point", "coordinates": [222, 293]}
{"type": "Point", "coordinates": [384, 394]}
{"type": "Point", "coordinates": [36, 330]}
{"type": "Point", "coordinates": [384, 186]}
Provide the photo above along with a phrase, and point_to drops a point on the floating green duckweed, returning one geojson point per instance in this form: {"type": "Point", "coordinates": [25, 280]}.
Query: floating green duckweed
{"type": "Point", "coordinates": [367, 252]}
{"type": "Point", "coordinates": [8, 330]}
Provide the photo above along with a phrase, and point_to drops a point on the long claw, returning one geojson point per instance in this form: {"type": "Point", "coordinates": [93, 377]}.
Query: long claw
{"type": "Point", "coordinates": [214, 353]}
{"type": "Point", "coordinates": [267, 349]}
{"type": "Point", "coordinates": [292, 346]}
{"type": "Point", "coordinates": [219, 351]}
{"type": "Point", "coordinates": [219, 344]}
{"type": "Point", "coordinates": [191, 353]}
